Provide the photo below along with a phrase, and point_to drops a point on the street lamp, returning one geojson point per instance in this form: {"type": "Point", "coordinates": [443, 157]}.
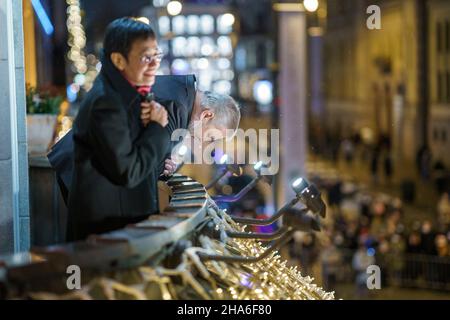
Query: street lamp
{"type": "Point", "coordinates": [233, 198]}
{"type": "Point", "coordinates": [235, 169]}
{"type": "Point", "coordinates": [307, 194]}
{"type": "Point", "coordinates": [294, 220]}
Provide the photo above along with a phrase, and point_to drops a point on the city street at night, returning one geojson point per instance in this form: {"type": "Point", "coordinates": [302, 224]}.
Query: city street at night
{"type": "Point", "coordinates": [225, 150]}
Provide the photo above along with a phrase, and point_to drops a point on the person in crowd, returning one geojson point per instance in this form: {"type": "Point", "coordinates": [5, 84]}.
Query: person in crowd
{"type": "Point", "coordinates": [331, 261]}
{"type": "Point", "coordinates": [361, 261]}
{"type": "Point", "coordinates": [443, 209]}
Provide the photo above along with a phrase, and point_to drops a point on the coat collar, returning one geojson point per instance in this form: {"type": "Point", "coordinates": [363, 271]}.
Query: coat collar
{"type": "Point", "coordinates": [120, 84]}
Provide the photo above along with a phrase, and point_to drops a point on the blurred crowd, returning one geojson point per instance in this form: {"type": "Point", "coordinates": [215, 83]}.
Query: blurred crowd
{"type": "Point", "coordinates": [364, 229]}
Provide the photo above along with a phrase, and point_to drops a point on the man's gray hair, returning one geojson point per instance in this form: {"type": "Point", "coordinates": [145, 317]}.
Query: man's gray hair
{"type": "Point", "coordinates": [225, 108]}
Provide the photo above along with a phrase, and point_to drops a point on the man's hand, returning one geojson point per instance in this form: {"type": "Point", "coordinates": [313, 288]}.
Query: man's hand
{"type": "Point", "coordinates": [153, 111]}
{"type": "Point", "coordinates": [169, 167]}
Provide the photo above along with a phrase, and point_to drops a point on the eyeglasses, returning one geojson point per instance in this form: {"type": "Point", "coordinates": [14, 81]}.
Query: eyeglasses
{"type": "Point", "coordinates": [150, 59]}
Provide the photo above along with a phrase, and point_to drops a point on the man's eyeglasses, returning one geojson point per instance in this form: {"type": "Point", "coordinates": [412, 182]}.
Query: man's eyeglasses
{"type": "Point", "coordinates": [150, 59]}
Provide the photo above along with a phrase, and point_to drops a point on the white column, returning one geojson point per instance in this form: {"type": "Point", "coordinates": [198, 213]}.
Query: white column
{"type": "Point", "coordinates": [14, 207]}
{"type": "Point", "coordinates": [292, 90]}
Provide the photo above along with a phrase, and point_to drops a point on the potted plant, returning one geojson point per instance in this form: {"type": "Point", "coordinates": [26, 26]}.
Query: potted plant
{"type": "Point", "coordinates": [42, 111]}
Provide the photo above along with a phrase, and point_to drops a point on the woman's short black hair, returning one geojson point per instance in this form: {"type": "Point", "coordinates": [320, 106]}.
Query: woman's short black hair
{"type": "Point", "coordinates": [123, 32]}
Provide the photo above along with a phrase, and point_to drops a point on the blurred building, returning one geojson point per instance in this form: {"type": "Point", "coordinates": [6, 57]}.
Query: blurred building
{"type": "Point", "coordinates": [394, 81]}
{"type": "Point", "coordinates": [439, 78]}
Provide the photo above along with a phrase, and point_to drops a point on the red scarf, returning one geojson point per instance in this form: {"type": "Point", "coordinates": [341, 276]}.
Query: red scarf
{"type": "Point", "coordinates": [142, 90]}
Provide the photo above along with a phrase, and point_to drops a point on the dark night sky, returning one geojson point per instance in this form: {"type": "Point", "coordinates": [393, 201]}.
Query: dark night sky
{"type": "Point", "coordinates": [99, 13]}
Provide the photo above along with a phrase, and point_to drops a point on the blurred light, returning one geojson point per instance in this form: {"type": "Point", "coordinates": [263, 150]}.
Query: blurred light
{"type": "Point", "coordinates": [288, 7]}
{"type": "Point", "coordinates": [192, 24]}
{"type": "Point", "coordinates": [182, 151]}
{"type": "Point", "coordinates": [194, 64]}
{"type": "Point", "coordinates": [203, 63]}
{"type": "Point", "coordinates": [179, 45]}
{"type": "Point", "coordinates": [98, 66]}
{"type": "Point", "coordinates": [223, 63]}
{"type": "Point", "coordinates": [216, 75]}
{"type": "Point", "coordinates": [180, 66]}
{"type": "Point", "coordinates": [160, 3]}
{"type": "Point", "coordinates": [193, 46]}
{"type": "Point", "coordinates": [223, 159]}
{"type": "Point", "coordinates": [228, 75]}
{"type": "Point", "coordinates": [225, 23]}
{"type": "Point", "coordinates": [164, 25]}
{"type": "Point", "coordinates": [174, 8]}
{"type": "Point", "coordinates": [262, 92]}
{"type": "Point", "coordinates": [228, 19]}
{"type": "Point", "coordinates": [43, 17]}
{"type": "Point", "coordinates": [297, 182]}
{"type": "Point", "coordinates": [322, 13]}
{"type": "Point", "coordinates": [79, 79]}
{"type": "Point", "coordinates": [204, 79]}
{"type": "Point", "coordinates": [143, 20]}
{"type": "Point", "coordinates": [207, 24]}
{"type": "Point", "coordinates": [367, 135]}
{"type": "Point", "coordinates": [224, 44]}
{"type": "Point", "coordinates": [72, 92]}
{"type": "Point", "coordinates": [222, 87]}
{"type": "Point", "coordinates": [371, 252]}
{"type": "Point", "coordinates": [258, 165]}
{"type": "Point", "coordinates": [207, 49]}
{"type": "Point", "coordinates": [179, 23]}
{"type": "Point", "coordinates": [315, 31]}
{"type": "Point", "coordinates": [241, 59]}
{"type": "Point", "coordinates": [311, 5]}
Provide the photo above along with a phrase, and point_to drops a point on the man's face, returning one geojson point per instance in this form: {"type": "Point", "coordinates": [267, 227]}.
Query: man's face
{"type": "Point", "coordinates": [206, 132]}
{"type": "Point", "coordinates": [203, 126]}
{"type": "Point", "coordinates": [142, 63]}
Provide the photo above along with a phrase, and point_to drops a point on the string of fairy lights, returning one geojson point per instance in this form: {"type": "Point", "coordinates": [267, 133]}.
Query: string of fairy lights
{"type": "Point", "coordinates": [85, 67]}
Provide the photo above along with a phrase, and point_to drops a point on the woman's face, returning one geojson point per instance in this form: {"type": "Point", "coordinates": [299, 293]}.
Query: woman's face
{"type": "Point", "coordinates": [142, 62]}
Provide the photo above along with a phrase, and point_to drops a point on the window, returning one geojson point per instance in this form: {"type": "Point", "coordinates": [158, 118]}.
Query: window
{"type": "Point", "coordinates": [223, 63]}
{"type": "Point", "coordinates": [192, 24]}
{"type": "Point", "coordinates": [179, 24]}
{"type": "Point", "coordinates": [164, 25]}
{"type": "Point", "coordinates": [224, 45]}
{"type": "Point", "coordinates": [193, 46]}
{"type": "Point", "coordinates": [207, 46]}
{"type": "Point", "coordinates": [178, 46]}
{"type": "Point", "coordinates": [225, 23]}
{"type": "Point", "coordinates": [206, 24]}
